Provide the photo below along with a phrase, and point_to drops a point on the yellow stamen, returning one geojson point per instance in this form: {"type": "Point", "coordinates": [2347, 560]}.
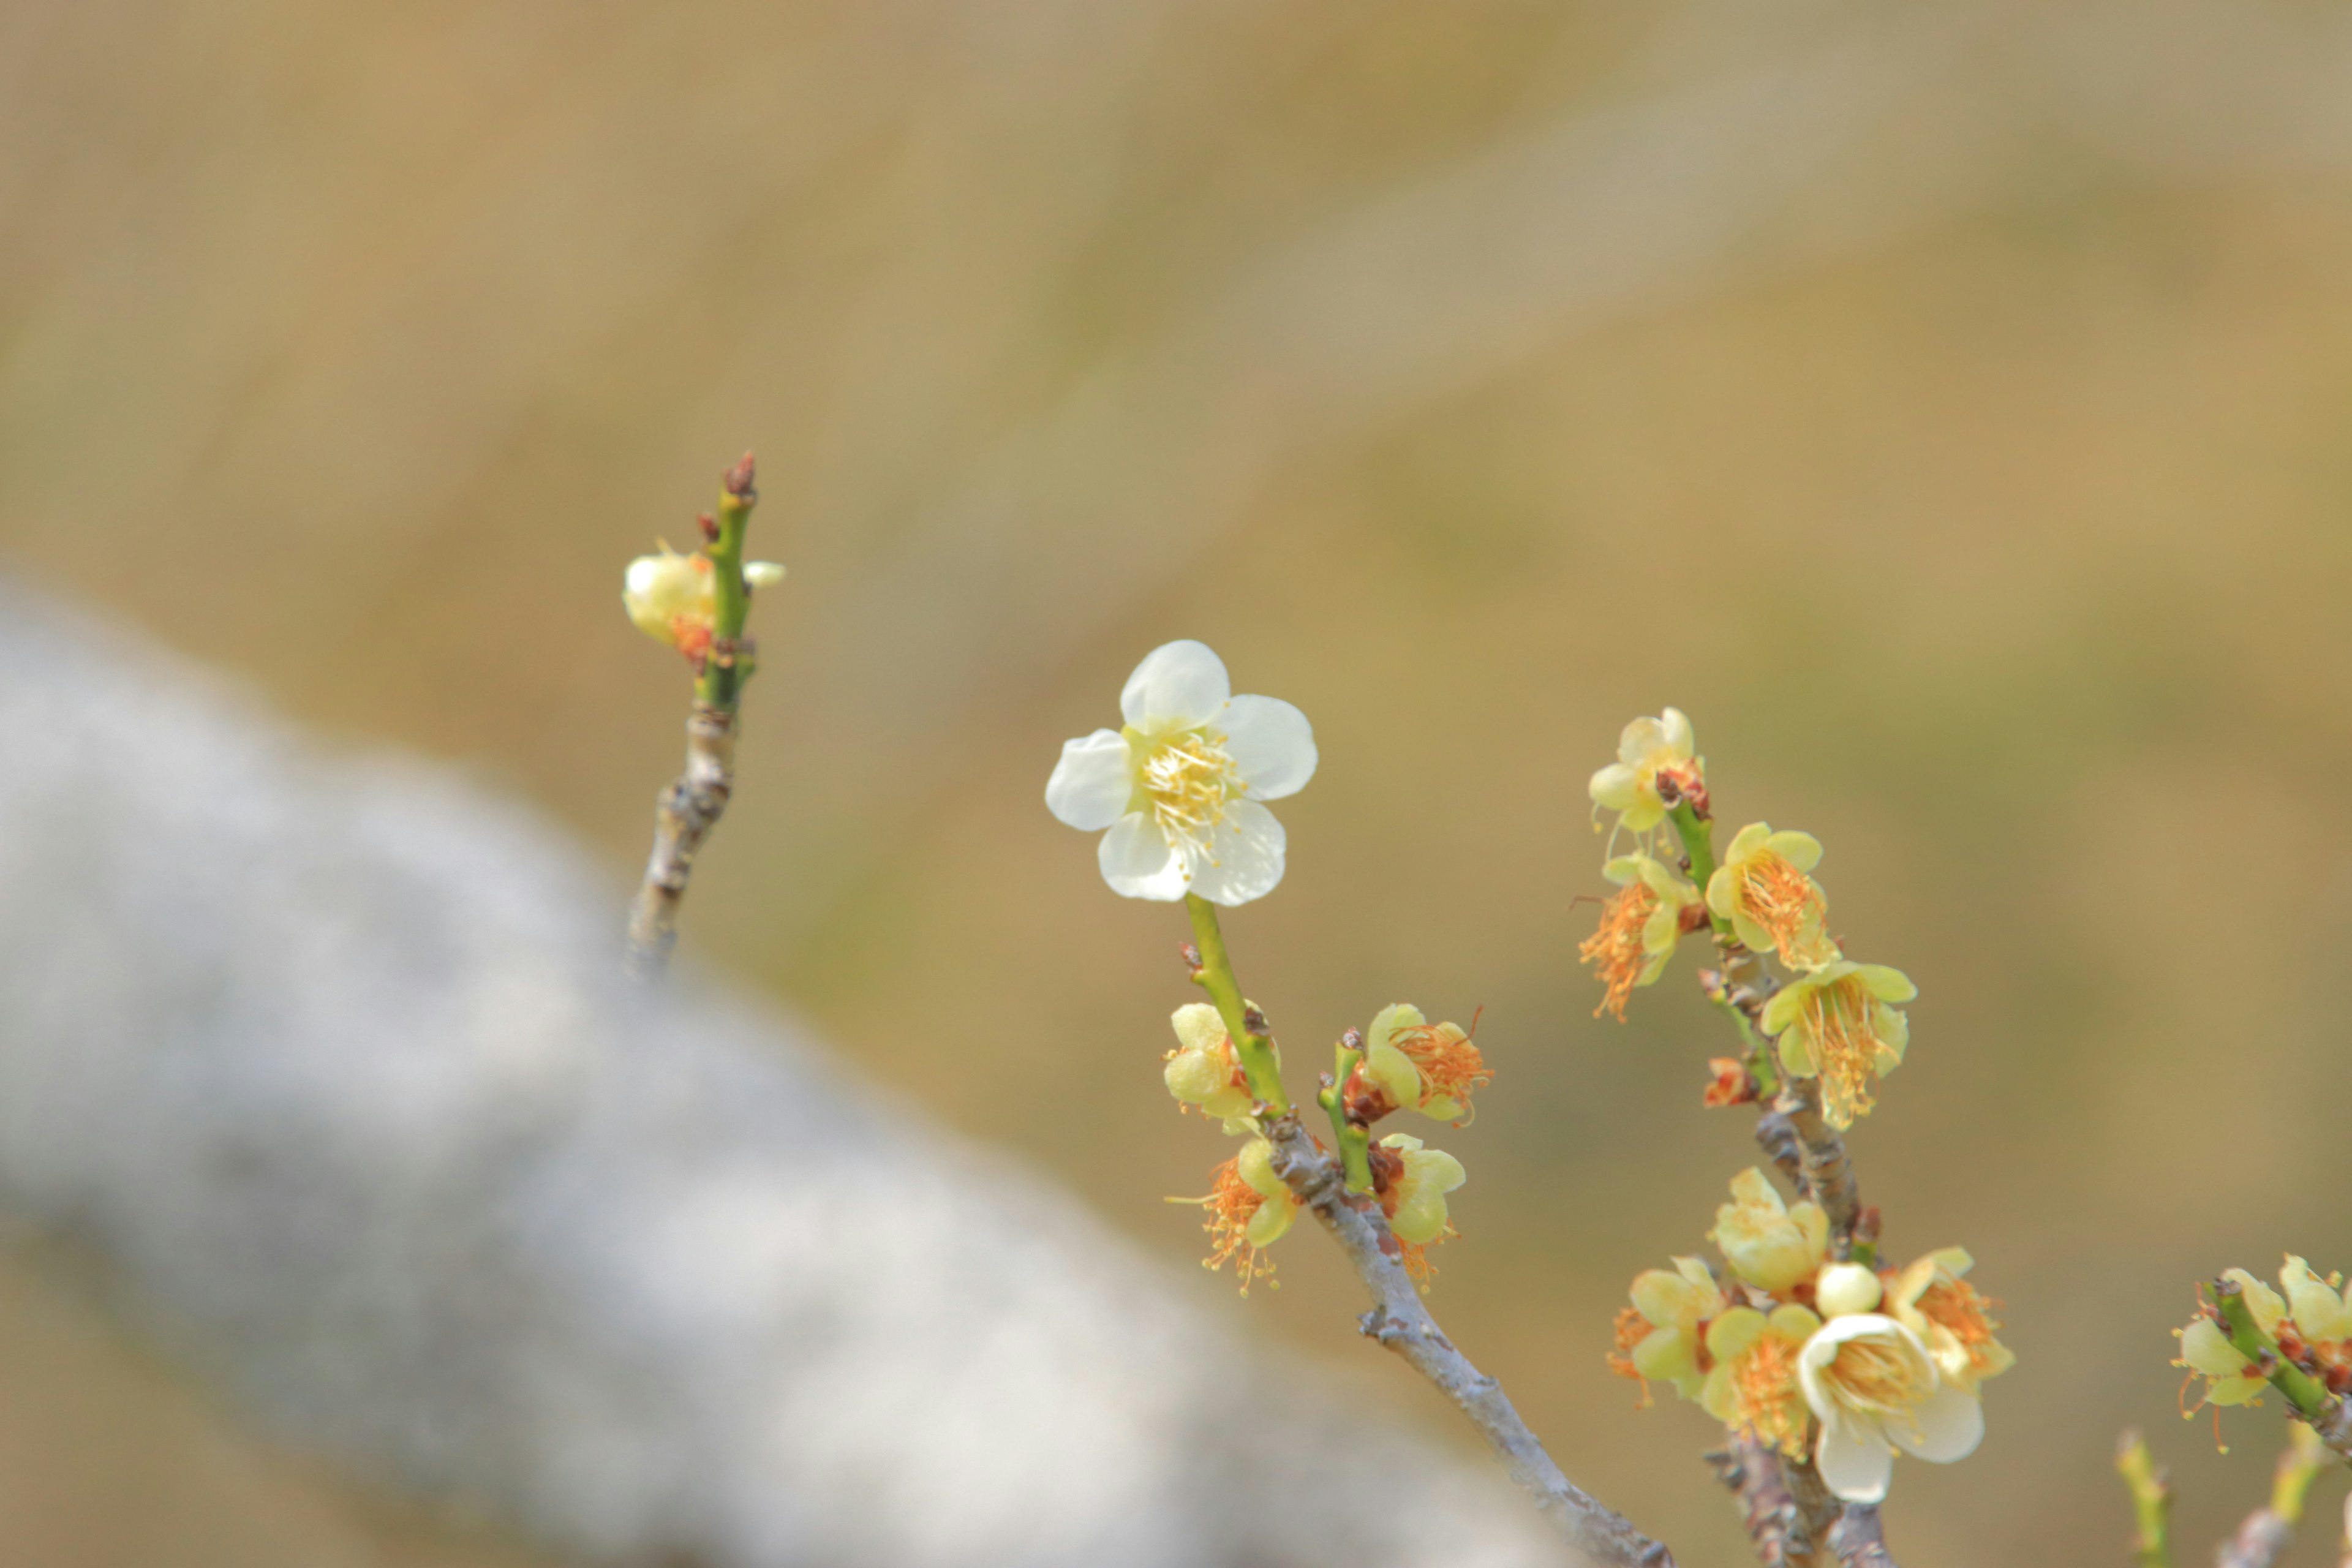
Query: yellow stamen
{"type": "Point", "coordinates": [1868, 1375]}
{"type": "Point", "coordinates": [1770, 1406]}
{"type": "Point", "coordinates": [1191, 780]}
{"type": "Point", "coordinates": [1781, 898]}
{"type": "Point", "coordinates": [1842, 1026]}
{"type": "Point", "coordinates": [1615, 949]}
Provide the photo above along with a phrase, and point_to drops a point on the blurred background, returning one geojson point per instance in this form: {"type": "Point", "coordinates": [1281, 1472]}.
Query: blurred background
{"type": "Point", "coordinates": [1944, 404]}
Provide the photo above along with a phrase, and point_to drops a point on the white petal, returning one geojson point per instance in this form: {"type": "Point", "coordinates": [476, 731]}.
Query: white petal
{"type": "Point", "coordinates": [1138, 862]}
{"type": "Point", "coordinates": [1854, 1461]}
{"type": "Point", "coordinates": [1246, 856]}
{"type": "Point", "coordinates": [1178, 686]}
{"type": "Point", "coordinates": [1951, 1426]}
{"type": "Point", "coordinates": [1272, 744]}
{"type": "Point", "coordinates": [1093, 782]}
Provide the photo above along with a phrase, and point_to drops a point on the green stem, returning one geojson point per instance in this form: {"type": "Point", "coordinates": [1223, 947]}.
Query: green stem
{"type": "Point", "coordinates": [1260, 1064]}
{"type": "Point", "coordinates": [2298, 1467]}
{"type": "Point", "coordinates": [1355, 1143]}
{"type": "Point", "coordinates": [725, 668]}
{"type": "Point", "coordinates": [2151, 1500]}
{"type": "Point", "coordinates": [2306, 1393]}
{"type": "Point", "coordinates": [1697, 834]}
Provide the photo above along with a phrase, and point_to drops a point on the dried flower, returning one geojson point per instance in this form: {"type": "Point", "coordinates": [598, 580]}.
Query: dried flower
{"type": "Point", "coordinates": [1639, 927]}
{"type": "Point", "coordinates": [2230, 1377]}
{"type": "Point", "coordinates": [1932, 1300]}
{"type": "Point", "coordinates": [1249, 1208]}
{"type": "Point", "coordinates": [2322, 1315]}
{"type": "Point", "coordinates": [1203, 1069]}
{"type": "Point", "coordinates": [1424, 1067]}
{"type": "Point", "coordinates": [1768, 1243]}
{"type": "Point", "coordinates": [1179, 789]}
{"type": "Point", "coordinates": [1649, 747]}
{"type": "Point", "coordinates": [1753, 1387]}
{"type": "Point", "coordinates": [1762, 889]}
{"type": "Point", "coordinates": [1874, 1389]}
{"type": "Point", "coordinates": [1839, 1023]}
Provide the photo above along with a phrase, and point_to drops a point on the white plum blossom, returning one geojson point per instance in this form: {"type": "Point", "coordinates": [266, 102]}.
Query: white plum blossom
{"type": "Point", "coordinates": [1180, 788]}
{"type": "Point", "coordinates": [1875, 1388]}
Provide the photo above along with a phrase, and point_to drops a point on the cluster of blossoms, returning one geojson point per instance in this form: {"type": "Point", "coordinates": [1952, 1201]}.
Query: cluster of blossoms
{"type": "Point", "coordinates": [1177, 793]}
{"type": "Point", "coordinates": [1835, 1362]}
{"type": "Point", "coordinates": [1408, 1064]}
{"type": "Point", "coordinates": [2308, 1319]}
{"type": "Point", "coordinates": [671, 598]}
{"type": "Point", "coordinates": [1836, 1020]}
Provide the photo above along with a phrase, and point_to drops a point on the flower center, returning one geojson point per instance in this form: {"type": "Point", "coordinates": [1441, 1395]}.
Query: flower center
{"type": "Point", "coordinates": [1450, 1064]}
{"type": "Point", "coordinates": [1839, 1018]}
{"type": "Point", "coordinates": [1958, 1307]}
{"type": "Point", "coordinates": [1770, 1405]}
{"type": "Point", "coordinates": [1190, 780]}
{"type": "Point", "coordinates": [1781, 898]}
{"type": "Point", "coordinates": [1615, 950]}
{"type": "Point", "coordinates": [1872, 1376]}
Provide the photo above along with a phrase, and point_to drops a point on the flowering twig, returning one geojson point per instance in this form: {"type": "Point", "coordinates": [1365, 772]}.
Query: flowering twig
{"type": "Point", "coordinates": [687, 810]}
{"type": "Point", "coordinates": [1401, 1320]}
{"type": "Point", "coordinates": [2268, 1531]}
{"type": "Point", "coordinates": [2151, 1496]}
{"type": "Point", "coordinates": [2329, 1416]}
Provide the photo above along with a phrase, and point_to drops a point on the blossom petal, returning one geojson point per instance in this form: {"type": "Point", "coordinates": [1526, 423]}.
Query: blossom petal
{"type": "Point", "coordinates": [1093, 782]}
{"type": "Point", "coordinates": [1178, 685]}
{"type": "Point", "coordinates": [1614, 787]}
{"type": "Point", "coordinates": [1674, 730]}
{"type": "Point", "coordinates": [1138, 861]}
{"type": "Point", "coordinates": [1945, 1426]}
{"type": "Point", "coordinates": [1246, 856]}
{"type": "Point", "coordinates": [1854, 1461]}
{"type": "Point", "coordinates": [1271, 743]}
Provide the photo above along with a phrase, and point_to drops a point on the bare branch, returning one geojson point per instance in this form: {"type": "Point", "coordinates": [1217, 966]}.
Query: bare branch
{"type": "Point", "coordinates": [684, 814]}
{"type": "Point", "coordinates": [1859, 1539]}
{"type": "Point", "coordinates": [1402, 1322]}
{"type": "Point", "coordinates": [1785, 1533]}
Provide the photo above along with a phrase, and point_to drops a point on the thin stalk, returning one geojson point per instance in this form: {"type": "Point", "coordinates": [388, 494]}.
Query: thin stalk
{"type": "Point", "coordinates": [2151, 1498]}
{"type": "Point", "coordinates": [1260, 1064]}
{"type": "Point", "coordinates": [1354, 1143]}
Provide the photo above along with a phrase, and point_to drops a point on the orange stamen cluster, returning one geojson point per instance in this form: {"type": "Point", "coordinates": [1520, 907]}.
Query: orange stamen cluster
{"type": "Point", "coordinates": [1632, 1330]}
{"type": "Point", "coordinates": [1872, 1377]}
{"type": "Point", "coordinates": [1450, 1063]}
{"type": "Point", "coordinates": [1615, 950]}
{"type": "Point", "coordinates": [1232, 1204]}
{"type": "Point", "coordinates": [1414, 1256]}
{"type": "Point", "coordinates": [1841, 1018]}
{"type": "Point", "coordinates": [1956, 1306]}
{"type": "Point", "coordinates": [1781, 898]}
{"type": "Point", "coordinates": [1772, 1407]}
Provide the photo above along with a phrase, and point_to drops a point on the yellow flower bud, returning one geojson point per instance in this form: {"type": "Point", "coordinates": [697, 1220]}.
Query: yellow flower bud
{"type": "Point", "coordinates": [1768, 1243]}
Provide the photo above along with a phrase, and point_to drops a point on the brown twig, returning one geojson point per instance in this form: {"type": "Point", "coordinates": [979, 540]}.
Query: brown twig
{"type": "Point", "coordinates": [684, 814]}
{"type": "Point", "coordinates": [1402, 1322]}
{"type": "Point", "coordinates": [1822, 1160]}
{"type": "Point", "coordinates": [1859, 1538]}
{"type": "Point", "coordinates": [2258, 1541]}
{"type": "Point", "coordinates": [1785, 1533]}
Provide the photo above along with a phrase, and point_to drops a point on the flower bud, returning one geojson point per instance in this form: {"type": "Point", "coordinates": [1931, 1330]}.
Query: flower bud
{"type": "Point", "coordinates": [1844, 1288]}
{"type": "Point", "coordinates": [1768, 1244]}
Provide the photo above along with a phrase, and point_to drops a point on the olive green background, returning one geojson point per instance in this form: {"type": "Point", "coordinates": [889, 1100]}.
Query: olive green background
{"type": "Point", "coordinates": [1950, 406]}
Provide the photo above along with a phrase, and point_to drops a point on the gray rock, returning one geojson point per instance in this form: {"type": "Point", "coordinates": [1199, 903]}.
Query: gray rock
{"type": "Point", "coordinates": [329, 1062]}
